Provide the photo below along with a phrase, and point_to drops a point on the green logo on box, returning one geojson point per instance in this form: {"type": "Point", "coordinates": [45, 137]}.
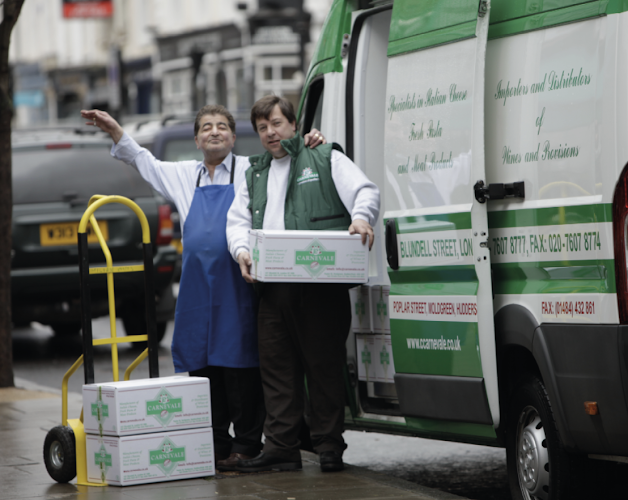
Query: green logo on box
{"type": "Point", "coordinates": [167, 456]}
{"type": "Point", "coordinates": [315, 258]}
{"type": "Point", "coordinates": [101, 457]}
{"type": "Point", "coordinates": [100, 410]}
{"type": "Point", "coordinates": [382, 307]}
{"type": "Point", "coordinates": [384, 359]}
{"type": "Point", "coordinates": [366, 359]}
{"type": "Point", "coordinates": [163, 407]}
{"type": "Point", "coordinates": [360, 308]}
{"type": "Point", "coordinates": [103, 460]}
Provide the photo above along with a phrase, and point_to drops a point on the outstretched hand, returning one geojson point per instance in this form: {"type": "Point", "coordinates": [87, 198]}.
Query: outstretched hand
{"type": "Point", "coordinates": [314, 138]}
{"type": "Point", "coordinates": [104, 121]}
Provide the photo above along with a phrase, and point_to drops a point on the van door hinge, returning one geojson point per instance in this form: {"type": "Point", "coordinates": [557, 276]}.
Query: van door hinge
{"type": "Point", "coordinates": [346, 41]}
{"type": "Point", "coordinates": [483, 8]}
{"type": "Point", "coordinates": [498, 191]}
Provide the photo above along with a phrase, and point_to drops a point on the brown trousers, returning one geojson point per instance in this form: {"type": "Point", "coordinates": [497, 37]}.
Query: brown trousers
{"type": "Point", "coordinates": [302, 331]}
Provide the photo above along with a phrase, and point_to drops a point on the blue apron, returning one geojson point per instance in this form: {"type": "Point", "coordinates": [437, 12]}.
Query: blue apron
{"type": "Point", "coordinates": [215, 320]}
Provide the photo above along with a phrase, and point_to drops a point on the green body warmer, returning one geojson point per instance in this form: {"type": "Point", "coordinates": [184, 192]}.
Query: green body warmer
{"type": "Point", "coordinates": [312, 202]}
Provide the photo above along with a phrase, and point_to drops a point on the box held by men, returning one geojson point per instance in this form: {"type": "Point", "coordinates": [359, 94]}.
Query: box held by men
{"type": "Point", "coordinates": [150, 458]}
{"type": "Point", "coordinates": [308, 257]}
{"type": "Point", "coordinates": [146, 405]}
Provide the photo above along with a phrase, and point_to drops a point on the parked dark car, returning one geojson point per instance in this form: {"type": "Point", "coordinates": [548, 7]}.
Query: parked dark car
{"type": "Point", "coordinates": [54, 175]}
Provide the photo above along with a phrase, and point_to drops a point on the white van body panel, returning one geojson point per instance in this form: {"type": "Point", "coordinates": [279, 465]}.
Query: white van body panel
{"type": "Point", "coordinates": [549, 118]}
{"type": "Point", "coordinates": [333, 117]}
{"type": "Point", "coordinates": [434, 154]}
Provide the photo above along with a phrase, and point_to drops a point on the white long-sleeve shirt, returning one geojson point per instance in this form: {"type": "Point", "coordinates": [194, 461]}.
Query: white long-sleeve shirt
{"type": "Point", "coordinates": [176, 181]}
{"type": "Point", "coordinates": [359, 196]}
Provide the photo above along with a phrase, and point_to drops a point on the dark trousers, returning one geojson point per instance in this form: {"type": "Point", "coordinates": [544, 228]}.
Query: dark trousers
{"type": "Point", "coordinates": [236, 396]}
{"type": "Point", "coordinates": [302, 331]}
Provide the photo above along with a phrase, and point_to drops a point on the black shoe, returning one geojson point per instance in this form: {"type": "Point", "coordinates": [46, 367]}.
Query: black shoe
{"type": "Point", "coordinates": [231, 462]}
{"type": "Point", "coordinates": [331, 461]}
{"type": "Point", "coordinates": [267, 462]}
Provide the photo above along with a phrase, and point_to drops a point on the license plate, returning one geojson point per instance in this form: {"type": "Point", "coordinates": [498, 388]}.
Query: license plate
{"type": "Point", "coordinates": [66, 233]}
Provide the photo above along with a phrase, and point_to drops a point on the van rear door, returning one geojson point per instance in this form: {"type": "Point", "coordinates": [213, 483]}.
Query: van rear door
{"type": "Point", "coordinates": [436, 230]}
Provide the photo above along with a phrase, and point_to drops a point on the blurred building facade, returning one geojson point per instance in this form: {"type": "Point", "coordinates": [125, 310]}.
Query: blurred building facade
{"type": "Point", "coordinates": [158, 57]}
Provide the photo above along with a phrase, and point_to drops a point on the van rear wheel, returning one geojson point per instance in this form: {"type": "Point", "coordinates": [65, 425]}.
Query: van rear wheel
{"type": "Point", "coordinates": [538, 467]}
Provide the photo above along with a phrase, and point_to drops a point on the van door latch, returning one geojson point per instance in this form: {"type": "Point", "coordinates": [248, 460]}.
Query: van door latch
{"type": "Point", "coordinates": [498, 191]}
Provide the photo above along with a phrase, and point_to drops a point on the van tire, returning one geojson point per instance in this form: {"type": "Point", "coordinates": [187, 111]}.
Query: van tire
{"type": "Point", "coordinates": [538, 466]}
{"type": "Point", "coordinates": [60, 454]}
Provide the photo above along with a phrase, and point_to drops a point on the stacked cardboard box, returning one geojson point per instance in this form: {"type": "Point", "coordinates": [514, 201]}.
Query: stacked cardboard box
{"type": "Point", "coordinates": [149, 430]}
{"type": "Point", "coordinates": [371, 325]}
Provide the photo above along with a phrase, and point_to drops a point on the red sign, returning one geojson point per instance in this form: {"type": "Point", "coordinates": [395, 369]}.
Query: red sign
{"type": "Point", "coordinates": [87, 8]}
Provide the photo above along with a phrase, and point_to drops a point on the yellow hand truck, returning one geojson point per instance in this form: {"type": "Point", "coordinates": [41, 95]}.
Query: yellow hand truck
{"type": "Point", "coordinates": [64, 446]}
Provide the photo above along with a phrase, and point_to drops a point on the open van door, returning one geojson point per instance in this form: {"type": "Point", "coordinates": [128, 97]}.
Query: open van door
{"type": "Point", "coordinates": [441, 300]}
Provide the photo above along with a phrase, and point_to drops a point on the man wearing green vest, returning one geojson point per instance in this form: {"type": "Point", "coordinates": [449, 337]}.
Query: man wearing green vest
{"type": "Point", "coordinates": [302, 327]}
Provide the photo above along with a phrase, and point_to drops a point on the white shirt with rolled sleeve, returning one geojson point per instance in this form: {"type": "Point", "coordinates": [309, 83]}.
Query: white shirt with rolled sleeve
{"type": "Point", "coordinates": [358, 194]}
{"type": "Point", "coordinates": [176, 181]}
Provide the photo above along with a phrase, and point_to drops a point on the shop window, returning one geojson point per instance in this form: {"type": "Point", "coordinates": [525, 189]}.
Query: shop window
{"type": "Point", "coordinates": [287, 72]}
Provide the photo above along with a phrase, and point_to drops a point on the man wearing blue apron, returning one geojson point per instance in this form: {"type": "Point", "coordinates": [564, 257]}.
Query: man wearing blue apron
{"type": "Point", "coordinates": [215, 333]}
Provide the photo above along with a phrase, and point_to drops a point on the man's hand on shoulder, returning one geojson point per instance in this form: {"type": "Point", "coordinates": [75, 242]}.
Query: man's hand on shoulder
{"type": "Point", "coordinates": [244, 259]}
{"type": "Point", "coordinates": [104, 121]}
{"type": "Point", "coordinates": [364, 229]}
{"type": "Point", "coordinates": [314, 138]}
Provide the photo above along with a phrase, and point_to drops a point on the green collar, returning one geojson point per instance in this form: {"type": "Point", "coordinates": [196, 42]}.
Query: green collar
{"type": "Point", "coordinates": [293, 146]}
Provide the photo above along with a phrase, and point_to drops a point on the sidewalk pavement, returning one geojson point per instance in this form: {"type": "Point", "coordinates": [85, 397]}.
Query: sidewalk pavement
{"type": "Point", "coordinates": [28, 412]}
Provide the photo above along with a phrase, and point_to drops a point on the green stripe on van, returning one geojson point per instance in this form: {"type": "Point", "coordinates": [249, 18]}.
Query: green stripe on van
{"type": "Point", "coordinates": [410, 18]}
{"type": "Point", "coordinates": [544, 19]}
{"type": "Point", "coordinates": [453, 431]}
{"type": "Point", "coordinates": [436, 222]}
{"type": "Point", "coordinates": [579, 214]}
{"type": "Point", "coordinates": [447, 35]}
{"type": "Point", "coordinates": [554, 277]}
{"type": "Point", "coordinates": [436, 348]}
{"type": "Point", "coordinates": [507, 10]}
{"type": "Point", "coordinates": [434, 280]}
{"type": "Point", "coordinates": [419, 25]}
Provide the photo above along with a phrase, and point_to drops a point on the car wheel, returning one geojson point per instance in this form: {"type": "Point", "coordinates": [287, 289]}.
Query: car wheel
{"type": "Point", "coordinates": [60, 454]}
{"type": "Point", "coordinates": [136, 325]}
{"type": "Point", "coordinates": [538, 467]}
{"type": "Point", "coordinates": [66, 329]}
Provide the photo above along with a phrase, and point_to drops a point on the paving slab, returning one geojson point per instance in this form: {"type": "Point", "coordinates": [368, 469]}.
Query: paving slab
{"type": "Point", "coordinates": [28, 412]}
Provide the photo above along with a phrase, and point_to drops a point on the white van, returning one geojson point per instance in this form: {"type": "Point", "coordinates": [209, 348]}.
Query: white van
{"type": "Point", "coordinates": [497, 305]}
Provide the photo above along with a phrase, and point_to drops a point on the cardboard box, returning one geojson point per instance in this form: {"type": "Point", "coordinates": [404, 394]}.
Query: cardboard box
{"type": "Point", "coordinates": [150, 458]}
{"type": "Point", "coordinates": [366, 352]}
{"type": "Point", "coordinates": [308, 256]}
{"type": "Point", "coordinates": [146, 405]}
{"type": "Point", "coordinates": [379, 308]}
{"type": "Point", "coordinates": [384, 363]}
{"type": "Point", "coordinates": [360, 309]}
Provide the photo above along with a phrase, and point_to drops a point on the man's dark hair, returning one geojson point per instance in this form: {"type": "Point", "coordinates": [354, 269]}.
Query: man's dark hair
{"type": "Point", "coordinates": [213, 109]}
{"type": "Point", "coordinates": [264, 107]}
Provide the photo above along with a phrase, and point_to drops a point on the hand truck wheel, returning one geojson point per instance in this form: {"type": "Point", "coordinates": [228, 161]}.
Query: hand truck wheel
{"type": "Point", "coordinates": [60, 454]}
